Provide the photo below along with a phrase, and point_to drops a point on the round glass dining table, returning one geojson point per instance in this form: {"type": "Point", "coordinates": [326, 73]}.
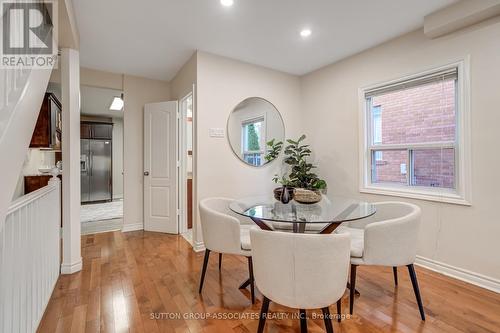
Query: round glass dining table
{"type": "Point", "coordinates": [322, 217]}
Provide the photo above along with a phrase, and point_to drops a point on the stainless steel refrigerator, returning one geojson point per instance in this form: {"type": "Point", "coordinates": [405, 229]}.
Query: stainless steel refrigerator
{"type": "Point", "coordinates": [95, 166]}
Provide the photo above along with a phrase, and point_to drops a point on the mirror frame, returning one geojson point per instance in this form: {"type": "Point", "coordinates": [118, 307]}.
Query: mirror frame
{"type": "Point", "coordinates": [231, 146]}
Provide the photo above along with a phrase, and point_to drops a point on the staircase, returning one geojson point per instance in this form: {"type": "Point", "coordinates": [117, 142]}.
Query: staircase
{"type": "Point", "coordinates": [21, 94]}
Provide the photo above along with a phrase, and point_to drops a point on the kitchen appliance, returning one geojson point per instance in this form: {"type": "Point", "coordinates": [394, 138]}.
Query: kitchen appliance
{"type": "Point", "coordinates": [95, 169]}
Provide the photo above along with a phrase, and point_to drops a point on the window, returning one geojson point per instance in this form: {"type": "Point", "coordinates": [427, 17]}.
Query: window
{"type": "Point", "coordinates": [253, 141]}
{"type": "Point", "coordinates": [413, 143]}
{"type": "Point", "coordinates": [377, 130]}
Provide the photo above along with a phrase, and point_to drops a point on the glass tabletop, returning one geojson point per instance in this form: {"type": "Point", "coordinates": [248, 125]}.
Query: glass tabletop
{"type": "Point", "coordinates": [330, 209]}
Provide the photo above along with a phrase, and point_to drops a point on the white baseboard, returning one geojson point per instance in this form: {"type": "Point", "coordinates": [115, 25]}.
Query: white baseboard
{"type": "Point", "coordinates": [460, 274]}
{"type": "Point", "coordinates": [71, 268]}
{"type": "Point", "coordinates": [132, 227]}
{"type": "Point", "coordinates": [97, 227]}
{"type": "Point", "coordinates": [198, 246]}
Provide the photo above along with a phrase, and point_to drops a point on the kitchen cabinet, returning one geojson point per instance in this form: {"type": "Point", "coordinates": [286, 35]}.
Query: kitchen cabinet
{"type": "Point", "coordinates": [85, 130]}
{"type": "Point", "coordinates": [33, 183]}
{"type": "Point", "coordinates": [94, 130]}
{"type": "Point", "coordinates": [47, 133]}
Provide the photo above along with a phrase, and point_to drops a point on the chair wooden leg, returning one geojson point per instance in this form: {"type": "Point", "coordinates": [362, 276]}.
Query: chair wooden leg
{"type": "Point", "coordinates": [220, 261]}
{"type": "Point", "coordinates": [263, 314]}
{"type": "Point", "coordinates": [252, 284]}
{"type": "Point", "coordinates": [245, 284]}
{"type": "Point", "coordinates": [395, 272]}
{"type": "Point", "coordinates": [303, 321]}
{"type": "Point", "coordinates": [339, 310]}
{"type": "Point", "coordinates": [328, 319]}
{"type": "Point", "coordinates": [204, 270]}
{"type": "Point", "coordinates": [352, 288]}
{"type": "Point", "coordinates": [414, 282]}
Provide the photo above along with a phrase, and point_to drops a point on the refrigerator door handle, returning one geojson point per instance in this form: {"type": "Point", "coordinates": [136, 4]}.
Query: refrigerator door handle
{"type": "Point", "coordinates": [91, 163]}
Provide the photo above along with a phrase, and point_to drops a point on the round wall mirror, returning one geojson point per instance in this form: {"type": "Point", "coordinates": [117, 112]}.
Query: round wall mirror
{"type": "Point", "coordinates": [255, 131]}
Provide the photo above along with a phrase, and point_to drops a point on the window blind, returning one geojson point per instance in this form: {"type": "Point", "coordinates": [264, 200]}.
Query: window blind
{"type": "Point", "coordinates": [443, 75]}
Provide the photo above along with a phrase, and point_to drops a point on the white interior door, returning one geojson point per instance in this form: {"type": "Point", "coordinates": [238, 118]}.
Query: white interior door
{"type": "Point", "coordinates": [160, 167]}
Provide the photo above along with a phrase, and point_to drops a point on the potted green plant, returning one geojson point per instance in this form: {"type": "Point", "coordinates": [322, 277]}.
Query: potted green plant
{"type": "Point", "coordinates": [306, 183]}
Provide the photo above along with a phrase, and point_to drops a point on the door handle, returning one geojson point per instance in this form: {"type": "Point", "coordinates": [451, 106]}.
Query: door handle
{"type": "Point", "coordinates": [146, 173]}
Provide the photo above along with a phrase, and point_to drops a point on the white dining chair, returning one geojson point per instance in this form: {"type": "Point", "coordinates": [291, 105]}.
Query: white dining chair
{"type": "Point", "coordinates": [387, 238]}
{"type": "Point", "coordinates": [223, 232]}
{"type": "Point", "coordinates": [302, 271]}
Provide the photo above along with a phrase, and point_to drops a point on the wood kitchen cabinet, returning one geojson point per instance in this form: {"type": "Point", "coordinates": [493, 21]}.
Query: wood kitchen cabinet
{"type": "Point", "coordinates": [95, 130]}
{"type": "Point", "coordinates": [47, 133]}
{"type": "Point", "coordinates": [33, 183]}
{"type": "Point", "coordinates": [85, 130]}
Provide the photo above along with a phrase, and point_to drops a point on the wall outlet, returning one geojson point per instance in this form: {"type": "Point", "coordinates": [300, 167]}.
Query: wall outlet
{"type": "Point", "coordinates": [216, 132]}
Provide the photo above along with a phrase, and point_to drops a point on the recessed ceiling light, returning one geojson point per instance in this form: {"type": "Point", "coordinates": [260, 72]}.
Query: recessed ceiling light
{"type": "Point", "coordinates": [305, 33]}
{"type": "Point", "coordinates": [117, 104]}
{"type": "Point", "coordinates": [227, 3]}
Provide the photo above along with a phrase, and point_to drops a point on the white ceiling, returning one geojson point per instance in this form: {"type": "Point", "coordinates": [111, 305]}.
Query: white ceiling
{"type": "Point", "coordinates": [96, 101]}
{"type": "Point", "coordinates": [154, 38]}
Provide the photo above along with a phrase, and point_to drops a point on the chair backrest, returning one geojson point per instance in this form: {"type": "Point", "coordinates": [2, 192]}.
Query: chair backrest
{"type": "Point", "coordinates": [221, 231]}
{"type": "Point", "coordinates": [392, 234]}
{"type": "Point", "coordinates": [305, 271]}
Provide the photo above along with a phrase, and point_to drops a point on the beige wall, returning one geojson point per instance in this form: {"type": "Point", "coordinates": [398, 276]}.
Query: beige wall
{"type": "Point", "coordinates": [94, 78]}
{"type": "Point", "coordinates": [460, 236]}
{"type": "Point", "coordinates": [222, 84]}
{"type": "Point", "coordinates": [182, 83]}
{"type": "Point", "coordinates": [137, 92]}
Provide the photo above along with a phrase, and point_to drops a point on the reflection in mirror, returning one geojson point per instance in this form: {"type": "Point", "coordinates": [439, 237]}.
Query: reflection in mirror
{"type": "Point", "coordinates": [255, 131]}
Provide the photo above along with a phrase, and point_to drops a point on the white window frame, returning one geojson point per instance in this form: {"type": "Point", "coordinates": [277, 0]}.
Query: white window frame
{"type": "Point", "coordinates": [461, 194]}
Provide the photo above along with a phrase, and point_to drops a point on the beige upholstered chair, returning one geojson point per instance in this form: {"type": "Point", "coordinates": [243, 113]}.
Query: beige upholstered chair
{"type": "Point", "coordinates": [224, 233]}
{"type": "Point", "coordinates": [388, 238]}
{"type": "Point", "coordinates": [303, 271]}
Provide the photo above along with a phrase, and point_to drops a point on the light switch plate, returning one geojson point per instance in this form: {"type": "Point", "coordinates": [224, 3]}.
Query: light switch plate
{"type": "Point", "coordinates": [216, 132]}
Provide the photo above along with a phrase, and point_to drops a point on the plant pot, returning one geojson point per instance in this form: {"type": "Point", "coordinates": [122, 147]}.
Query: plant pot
{"type": "Point", "coordinates": [306, 196]}
{"type": "Point", "coordinates": [279, 190]}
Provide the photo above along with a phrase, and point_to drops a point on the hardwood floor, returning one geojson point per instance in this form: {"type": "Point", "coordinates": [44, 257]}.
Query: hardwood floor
{"type": "Point", "coordinates": [148, 282]}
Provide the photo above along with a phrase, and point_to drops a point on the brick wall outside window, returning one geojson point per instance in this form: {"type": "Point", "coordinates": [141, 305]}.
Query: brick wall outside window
{"type": "Point", "coordinates": [421, 114]}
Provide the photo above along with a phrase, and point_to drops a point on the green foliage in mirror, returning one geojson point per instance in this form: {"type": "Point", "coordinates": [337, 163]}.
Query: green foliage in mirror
{"type": "Point", "coordinates": [273, 149]}
{"type": "Point", "coordinates": [253, 138]}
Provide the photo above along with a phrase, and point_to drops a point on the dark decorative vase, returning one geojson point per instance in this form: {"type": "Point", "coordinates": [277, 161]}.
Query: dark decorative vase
{"type": "Point", "coordinates": [278, 193]}
{"type": "Point", "coordinates": [285, 195]}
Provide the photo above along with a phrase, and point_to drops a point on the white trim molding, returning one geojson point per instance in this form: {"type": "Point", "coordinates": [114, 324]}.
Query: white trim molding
{"type": "Point", "coordinates": [71, 268]}
{"type": "Point", "coordinates": [133, 227]}
{"type": "Point", "coordinates": [461, 274]}
{"type": "Point", "coordinates": [198, 246]}
{"type": "Point", "coordinates": [97, 227]}
{"type": "Point", "coordinates": [462, 194]}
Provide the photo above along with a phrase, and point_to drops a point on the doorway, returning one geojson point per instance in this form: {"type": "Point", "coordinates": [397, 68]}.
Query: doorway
{"type": "Point", "coordinates": [185, 151]}
{"type": "Point", "coordinates": [168, 167]}
{"type": "Point", "coordinates": [101, 159]}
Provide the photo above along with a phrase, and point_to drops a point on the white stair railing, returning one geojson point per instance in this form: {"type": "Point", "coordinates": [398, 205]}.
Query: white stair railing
{"type": "Point", "coordinates": [29, 257]}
